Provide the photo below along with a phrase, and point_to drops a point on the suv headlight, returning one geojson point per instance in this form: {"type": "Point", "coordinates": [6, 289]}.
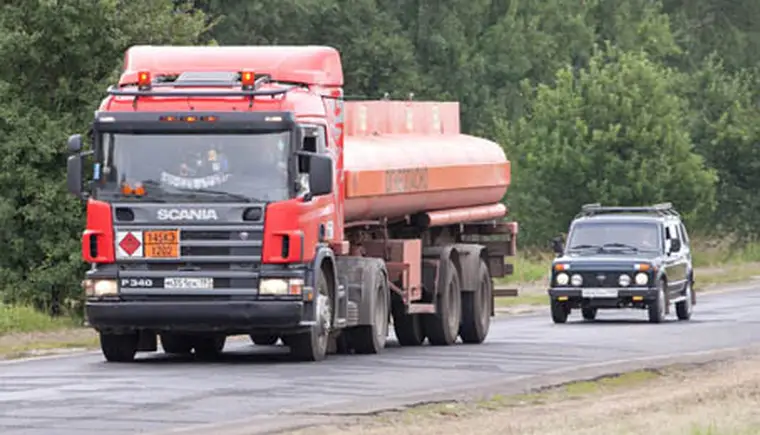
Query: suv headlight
{"type": "Point", "coordinates": [642, 279]}
{"type": "Point", "coordinates": [576, 280]}
{"type": "Point", "coordinates": [624, 280]}
{"type": "Point", "coordinates": [562, 278]}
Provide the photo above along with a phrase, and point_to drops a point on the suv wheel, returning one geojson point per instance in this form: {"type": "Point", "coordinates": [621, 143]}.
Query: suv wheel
{"type": "Point", "coordinates": [589, 313]}
{"type": "Point", "coordinates": [560, 312]}
{"type": "Point", "coordinates": [657, 307]}
{"type": "Point", "coordinates": [684, 308]}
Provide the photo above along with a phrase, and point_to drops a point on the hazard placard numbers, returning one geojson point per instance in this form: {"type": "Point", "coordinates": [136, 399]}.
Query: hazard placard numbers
{"type": "Point", "coordinates": [161, 244]}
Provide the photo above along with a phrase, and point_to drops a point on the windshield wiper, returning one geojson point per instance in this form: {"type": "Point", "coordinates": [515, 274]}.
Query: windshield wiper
{"type": "Point", "coordinates": [585, 247]}
{"type": "Point", "coordinates": [230, 195]}
{"type": "Point", "coordinates": [620, 245]}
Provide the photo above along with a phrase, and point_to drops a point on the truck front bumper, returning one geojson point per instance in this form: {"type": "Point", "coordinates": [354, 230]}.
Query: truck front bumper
{"type": "Point", "coordinates": [603, 297]}
{"type": "Point", "coordinates": [224, 316]}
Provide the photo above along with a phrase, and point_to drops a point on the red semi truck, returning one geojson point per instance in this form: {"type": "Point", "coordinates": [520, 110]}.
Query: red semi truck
{"type": "Point", "coordinates": [234, 191]}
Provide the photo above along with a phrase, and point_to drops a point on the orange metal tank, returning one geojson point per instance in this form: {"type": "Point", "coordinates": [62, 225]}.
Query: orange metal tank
{"type": "Point", "coordinates": [404, 158]}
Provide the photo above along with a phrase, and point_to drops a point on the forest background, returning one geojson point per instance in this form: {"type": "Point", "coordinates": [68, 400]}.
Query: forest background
{"type": "Point", "coordinates": [612, 101]}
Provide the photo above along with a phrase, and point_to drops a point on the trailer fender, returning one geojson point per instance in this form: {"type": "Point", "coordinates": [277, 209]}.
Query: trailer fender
{"type": "Point", "coordinates": [360, 277]}
{"type": "Point", "coordinates": [429, 274]}
{"type": "Point", "coordinates": [470, 256]}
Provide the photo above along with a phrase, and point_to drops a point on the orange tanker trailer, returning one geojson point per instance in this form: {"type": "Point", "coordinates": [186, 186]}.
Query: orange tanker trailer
{"type": "Point", "coordinates": [235, 192]}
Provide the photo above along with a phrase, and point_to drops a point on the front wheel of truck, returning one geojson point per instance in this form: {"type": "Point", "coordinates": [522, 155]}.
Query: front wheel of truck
{"type": "Point", "coordinates": [119, 347]}
{"type": "Point", "coordinates": [312, 345]}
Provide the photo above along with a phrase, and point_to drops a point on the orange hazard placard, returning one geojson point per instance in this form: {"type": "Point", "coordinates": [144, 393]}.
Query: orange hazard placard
{"type": "Point", "coordinates": [161, 244]}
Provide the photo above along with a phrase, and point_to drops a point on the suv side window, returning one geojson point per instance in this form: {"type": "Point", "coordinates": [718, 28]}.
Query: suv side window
{"type": "Point", "coordinates": [684, 234]}
{"type": "Point", "coordinates": [671, 233]}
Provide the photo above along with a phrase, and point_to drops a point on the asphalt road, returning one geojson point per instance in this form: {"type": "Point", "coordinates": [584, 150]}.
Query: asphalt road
{"type": "Point", "coordinates": [82, 394]}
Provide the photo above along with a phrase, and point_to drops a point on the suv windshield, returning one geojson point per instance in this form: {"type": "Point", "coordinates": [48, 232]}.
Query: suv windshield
{"type": "Point", "coordinates": [614, 236]}
{"type": "Point", "coordinates": [182, 166]}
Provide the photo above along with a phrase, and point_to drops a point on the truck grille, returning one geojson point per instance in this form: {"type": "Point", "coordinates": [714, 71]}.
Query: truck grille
{"type": "Point", "coordinates": [610, 279]}
{"type": "Point", "coordinates": [230, 254]}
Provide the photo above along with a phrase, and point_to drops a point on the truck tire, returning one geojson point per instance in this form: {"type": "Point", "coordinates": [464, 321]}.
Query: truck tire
{"type": "Point", "coordinates": [684, 308]}
{"type": "Point", "coordinates": [264, 339]}
{"type": "Point", "coordinates": [656, 308]}
{"type": "Point", "coordinates": [208, 347]}
{"type": "Point", "coordinates": [443, 327]}
{"type": "Point", "coordinates": [176, 343]}
{"type": "Point", "coordinates": [119, 347]}
{"type": "Point", "coordinates": [476, 309]}
{"type": "Point", "coordinates": [408, 327]}
{"type": "Point", "coordinates": [589, 313]}
{"type": "Point", "coordinates": [312, 345]}
{"type": "Point", "coordinates": [371, 339]}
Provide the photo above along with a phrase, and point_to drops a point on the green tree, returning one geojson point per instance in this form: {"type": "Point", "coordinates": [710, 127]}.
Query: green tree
{"type": "Point", "coordinates": [58, 57]}
{"type": "Point", "coordinates": [613, 133]}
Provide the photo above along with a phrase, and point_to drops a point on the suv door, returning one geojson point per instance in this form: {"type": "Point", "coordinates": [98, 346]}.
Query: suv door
{"type": "Point", "coordinates": [676, 263]}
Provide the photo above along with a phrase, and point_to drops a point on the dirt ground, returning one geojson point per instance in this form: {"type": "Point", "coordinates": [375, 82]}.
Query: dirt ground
{"type": "Point", "coordinates": [716, 399]}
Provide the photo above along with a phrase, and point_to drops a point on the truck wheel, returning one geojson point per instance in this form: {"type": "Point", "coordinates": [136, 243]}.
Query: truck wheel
{"type": "Point", "coordinates": [408, 327]}
{"type": "Point", "coordinates": [119, 347]}
{"type": "Point", "coordinates": [209, 347]}
{"type": "Point", "coordinates": [559, 312]}
{"type": "Point", "coordinates": [656, 309]}
{"type": "Point", "coordinates": [684, 308]}
{"type": "Point", "coordinates": [443, 327]}
{"type": "Point", "coordinates": [370, 339]}
{"type": "Point", "coordinates": [589, 313]}
{"type": "Point", "coordinates": [264, 339]}
{"type": "Point", "coordinates": [476, 309]}
{"type": "Point", "coordinates": [312, 345]}
{"type": "Point", "coordinates": [176, 343]}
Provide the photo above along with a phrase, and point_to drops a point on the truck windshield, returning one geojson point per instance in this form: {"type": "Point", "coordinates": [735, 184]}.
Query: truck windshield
{"type": "Point", "coordinates": [614, 236]}
{"type": "Point", "coordinates": [170, 167]}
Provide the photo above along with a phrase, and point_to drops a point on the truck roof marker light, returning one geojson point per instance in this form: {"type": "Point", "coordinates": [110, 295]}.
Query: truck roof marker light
{"type": "Point", "coordinates": [167, 118]}
{"type": "Point", "coordinates": [191, 118]}
{"type": "Point", "coordinates": [139, 190]}
{"type": "Point", "coordinates": [143, 80]}
{"type": "Point", "coordinates": [247, 80]}
{"type": "Point", "coordinates": [126, 189]}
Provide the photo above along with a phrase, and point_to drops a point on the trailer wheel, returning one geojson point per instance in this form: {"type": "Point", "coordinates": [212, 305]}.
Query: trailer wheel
{"type": "Point", "coordinates": [312, 345]}
{"type": "Point", "coordinates": [176, 344]}
{"type": "Point", "coordinates": [370, 339]}
{"type": "Point", "coordinates": [476, 309]}
{"type": "Point", "coordinates": [209, 347]}
{"type": "Point", "coordinates": [119, 347]}
{"type": "Point", "coordinates": [443, 327]}
{"type": "Point", "coordinates": [408, 327]}
{"type": "Point", "coordinates": [264, 339]}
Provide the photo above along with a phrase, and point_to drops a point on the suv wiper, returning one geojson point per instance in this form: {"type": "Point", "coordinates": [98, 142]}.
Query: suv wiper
{"type": "Point", "coordinates": [620, 245]}
{"type": "Point", "coordinates": [231, 195]}
{"type": "Point", "coordinates": [584, 247]}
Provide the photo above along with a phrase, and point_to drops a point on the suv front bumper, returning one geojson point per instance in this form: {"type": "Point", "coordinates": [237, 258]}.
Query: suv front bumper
{"type": "Point", "coordinates": [611, 297]}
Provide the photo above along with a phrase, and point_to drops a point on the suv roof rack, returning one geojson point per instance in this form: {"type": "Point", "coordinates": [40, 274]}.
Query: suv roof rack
{"type": "Point", "coordinates": [662, 209]}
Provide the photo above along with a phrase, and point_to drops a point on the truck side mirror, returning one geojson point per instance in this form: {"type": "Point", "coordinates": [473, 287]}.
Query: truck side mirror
{"type": "Point", "coordinates": [74, 175]}
{"type": "Point", "coordinates": [320, 173]}
{"type": "Point", "coordinates": [557, 245]}
{"type": "Point", "coordinates": [75, 143]}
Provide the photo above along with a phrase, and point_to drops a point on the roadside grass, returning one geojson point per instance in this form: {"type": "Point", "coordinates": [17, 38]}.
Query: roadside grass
{"type": "Point", "coordinates": [16, 318]}
{"type": "Point", "coordinates": [571, 390]}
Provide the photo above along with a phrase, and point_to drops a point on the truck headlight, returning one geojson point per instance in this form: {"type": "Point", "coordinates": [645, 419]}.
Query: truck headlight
{"type": "Point", "coordinates": [576, 280]}
{"type": "Point", "coordinates": [280, 287]}
{"type": "Point", "coordinates": [624, 280]}
{"type": "Point", "coordinates": [100, 287]}
{"type": "Point", "coordinates": [642, 279]}
{"type": "Point", "coordinates": [562, 279]}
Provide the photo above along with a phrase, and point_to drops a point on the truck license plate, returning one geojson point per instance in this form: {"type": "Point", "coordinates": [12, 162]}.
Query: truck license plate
{"type": "Point", "coordinates": [191, 283]}
{"type": "Point", "coordinates": [600, 293]}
